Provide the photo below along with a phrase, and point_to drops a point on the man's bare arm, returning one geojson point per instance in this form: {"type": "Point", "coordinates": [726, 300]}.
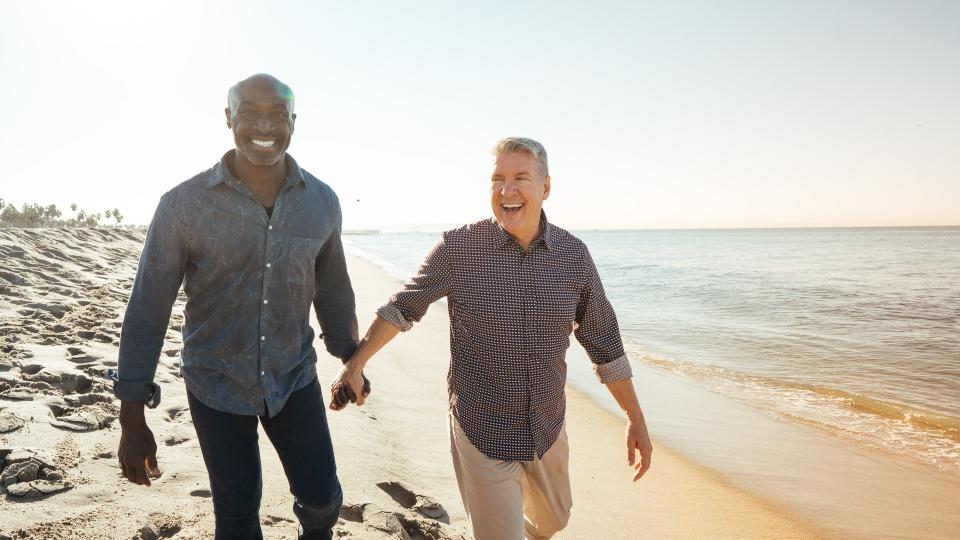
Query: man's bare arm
{"type": "Point", "coordinates": [379, 334]}
{"type": "Point", "coordinates": [636, 435]}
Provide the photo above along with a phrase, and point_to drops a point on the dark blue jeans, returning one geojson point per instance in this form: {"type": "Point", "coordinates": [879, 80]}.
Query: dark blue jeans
{"type": "Point", "coordinates": [300, 435]}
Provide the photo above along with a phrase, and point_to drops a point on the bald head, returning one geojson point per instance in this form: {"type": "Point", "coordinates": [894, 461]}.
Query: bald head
{"type": "Point", "coordinates": [260, 81]}
{"type": "Point", "coordinates": [260, 114]}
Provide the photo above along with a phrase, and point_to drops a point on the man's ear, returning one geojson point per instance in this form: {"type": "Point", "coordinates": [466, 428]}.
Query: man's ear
{"type": "Point", "coordinates": [546, 187]}
{"type": "Point", "coordinates": [226, 112]}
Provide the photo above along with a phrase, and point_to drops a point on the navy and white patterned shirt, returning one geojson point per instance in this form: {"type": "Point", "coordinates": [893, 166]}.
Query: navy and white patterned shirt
{"type": "Point", "coordinates": [249, 279]}
{"type": "Point", "coordinates": [511, 316]}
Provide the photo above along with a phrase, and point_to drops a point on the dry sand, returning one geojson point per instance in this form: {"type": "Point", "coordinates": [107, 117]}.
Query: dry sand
{"type": "Point", "coordinates": [62, 294]}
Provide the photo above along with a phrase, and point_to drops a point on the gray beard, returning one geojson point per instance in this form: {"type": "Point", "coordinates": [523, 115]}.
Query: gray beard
{"type": "Point", "coordinates": [259, 160]}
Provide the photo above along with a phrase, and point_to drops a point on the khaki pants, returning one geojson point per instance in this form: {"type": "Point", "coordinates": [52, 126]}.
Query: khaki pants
{"type": "Point", "coordinates": [512, 500]}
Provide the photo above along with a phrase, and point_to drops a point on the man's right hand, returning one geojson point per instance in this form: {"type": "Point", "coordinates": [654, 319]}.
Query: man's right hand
{"type": "Point", "coordinates": [138, 448]}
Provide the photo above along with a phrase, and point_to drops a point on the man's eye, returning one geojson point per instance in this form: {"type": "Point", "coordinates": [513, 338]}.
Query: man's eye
{"type": "Point", "coordinates": [246, 114]}
{"type": "Point", "coordinates": [280, 116]}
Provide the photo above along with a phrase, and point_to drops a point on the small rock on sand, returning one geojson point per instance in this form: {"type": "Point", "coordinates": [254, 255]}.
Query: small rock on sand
{"type": "Point", "coordinates": [430, 508]}
{"type": "Point", "coordinates": [86, 418]}
{"type": "Point", "coordinates": [159, 526]}
{"type": "Point", "coordinates": [16, 395]}
{"type": "Point", "coordinates": [16, 455]}
{"type": "Point", "coordinates": [148, 532]}
{"type": "Point", "coordinates": [24, 471]}
{"type": "Point", "coordinates": [9, 422]}
{"type": "Point", "coordinates": [38, 488]}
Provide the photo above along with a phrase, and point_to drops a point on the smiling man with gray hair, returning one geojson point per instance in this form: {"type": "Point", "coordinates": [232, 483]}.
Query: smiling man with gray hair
{"type": "Point", "coordinates": [516, 286]}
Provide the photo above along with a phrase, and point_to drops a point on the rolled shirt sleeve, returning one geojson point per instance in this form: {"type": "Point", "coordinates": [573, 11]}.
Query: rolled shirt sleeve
{"type": "Point", "coordinates": [159, 276]}
{"type": "Point", "coordinates": [431, 283]}
{"type": "Point", "coordinates": [597, 329]}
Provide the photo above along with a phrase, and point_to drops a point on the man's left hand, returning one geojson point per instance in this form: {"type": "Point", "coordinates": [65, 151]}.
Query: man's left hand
{"type": "Point", "coordinates": [350, 386]}
{"type": "Point", "coordinates": [638, 440]}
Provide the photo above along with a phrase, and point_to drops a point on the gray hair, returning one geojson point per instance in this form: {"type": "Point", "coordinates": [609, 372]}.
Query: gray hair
{"type": "Point", "coordinates": [523, 144]}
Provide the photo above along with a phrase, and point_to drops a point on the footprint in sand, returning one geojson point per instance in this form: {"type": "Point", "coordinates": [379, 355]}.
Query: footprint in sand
{"type": "Point", "coordinates": [177, 413]}
{"type": "Point", "coordinates": [422, 504]}
{"type": "Point", "coordinates": [79, 355]}
{"type": "Point", "coordinates": [101, 452]}
{"type": "Point", "coordinates": [83, 413]}
{"type": "Point", "coordinates": [160, 525]}
{"type": "Point", "coordinates": [274, 520]}
{"type": "Point", "coordinates": [353, 512]}
{"type": "Point", "coordinates": [402, 524]}
{"type": "Point", "coordinates": [205, 493]}
{"type": "Point", "coordinates": [174, 440]}
{"type": "Point", "coordinates": [65, 382]}
{"type": "Point", "coordinates": [31, 369]}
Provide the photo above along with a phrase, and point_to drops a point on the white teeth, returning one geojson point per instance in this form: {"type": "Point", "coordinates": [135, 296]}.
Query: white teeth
{"type": "Point", "coordinates": [263, 144]}
{"type": "Point", "coordinates": [512, 206]}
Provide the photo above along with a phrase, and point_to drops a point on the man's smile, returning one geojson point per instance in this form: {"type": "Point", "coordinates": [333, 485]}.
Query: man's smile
{"type": "Point", "coordinates": [263, 143]}
{"type": "Point", "coordinates": [511, 207]}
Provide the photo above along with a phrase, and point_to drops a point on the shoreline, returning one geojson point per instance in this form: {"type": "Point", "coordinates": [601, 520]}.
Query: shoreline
{"type": "Point", "coordinates": [827, 486]}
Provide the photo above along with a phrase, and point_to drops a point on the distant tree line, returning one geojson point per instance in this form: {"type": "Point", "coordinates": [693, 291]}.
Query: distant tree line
{"type": "Point", "coordinates": [36, 215]}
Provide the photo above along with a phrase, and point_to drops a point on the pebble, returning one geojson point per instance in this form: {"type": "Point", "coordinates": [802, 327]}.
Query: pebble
{"type": "Point", "coordinates": [10, 422]}
{"type": "Point", "coordinates": [38, 488]}
{"type": "Point", "coordinates": [24, 471]}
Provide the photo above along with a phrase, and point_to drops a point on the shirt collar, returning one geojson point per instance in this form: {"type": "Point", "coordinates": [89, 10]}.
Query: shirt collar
{"type": "Point", "coordinates": [502, 238]}
{"type": "Point", "coordinates": [221, 172]}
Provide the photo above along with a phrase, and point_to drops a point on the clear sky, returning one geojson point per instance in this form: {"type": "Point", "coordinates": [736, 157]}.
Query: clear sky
{"type": "Point", "coordinates": [655, 114]}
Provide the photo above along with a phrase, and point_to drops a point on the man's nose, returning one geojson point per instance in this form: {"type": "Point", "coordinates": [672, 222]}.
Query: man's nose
{"type": "Point", "coordinates": [508, 188]}
{"type": "Point", "coordinates": [264, 124]}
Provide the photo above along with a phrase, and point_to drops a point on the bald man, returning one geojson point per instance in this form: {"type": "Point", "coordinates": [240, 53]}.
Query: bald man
{"type": "Point", "coordinates": [254, 240]}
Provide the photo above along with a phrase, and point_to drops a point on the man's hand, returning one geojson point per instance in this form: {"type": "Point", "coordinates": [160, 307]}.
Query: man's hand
{"type": "Point", "coordinates": [638, 440]}
{"type": "Point", "coordinates": [138, 448]}
{"type": "Point", "coordinates": [637, 437]}
{"type": "Point", "coordinates": [350, 386]}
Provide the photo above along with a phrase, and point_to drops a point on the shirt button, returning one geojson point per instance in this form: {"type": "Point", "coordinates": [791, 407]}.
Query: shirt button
{"type": "Point", "coordinates": [263, 338]}
{"type": "Point", "coordinates": [262, 373]}
{"type": "Point", "coordinates": [270, 227]}
{"type": "Point", "coordinates": [266, 301]}
{"type": "Point", "coordinates": [268, 265]}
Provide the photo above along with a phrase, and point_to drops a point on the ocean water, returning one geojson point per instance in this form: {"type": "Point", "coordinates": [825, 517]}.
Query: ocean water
{"type": "Point", "coordinates": [853, 332]}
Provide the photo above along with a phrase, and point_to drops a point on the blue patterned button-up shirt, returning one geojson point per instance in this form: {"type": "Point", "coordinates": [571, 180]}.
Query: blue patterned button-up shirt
{"type": "Point", "coordinates": [249, 279]}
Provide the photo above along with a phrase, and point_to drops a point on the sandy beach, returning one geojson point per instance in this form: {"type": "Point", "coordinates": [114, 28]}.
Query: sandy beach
{"type": "Point", "coordinates": [62, 294]}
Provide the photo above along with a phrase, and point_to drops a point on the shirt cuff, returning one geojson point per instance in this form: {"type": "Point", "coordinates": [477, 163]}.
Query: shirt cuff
{"type": "Point", "coordinates": [615, 370]}
{"type": "Point", "coordinates": [392, 315]}
{"type": "Point", "coordinates": [147, 392]}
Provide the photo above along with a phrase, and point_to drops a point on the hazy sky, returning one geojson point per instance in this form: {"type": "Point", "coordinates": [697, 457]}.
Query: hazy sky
{"type": "Point", "coordinates": [655, 114]}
